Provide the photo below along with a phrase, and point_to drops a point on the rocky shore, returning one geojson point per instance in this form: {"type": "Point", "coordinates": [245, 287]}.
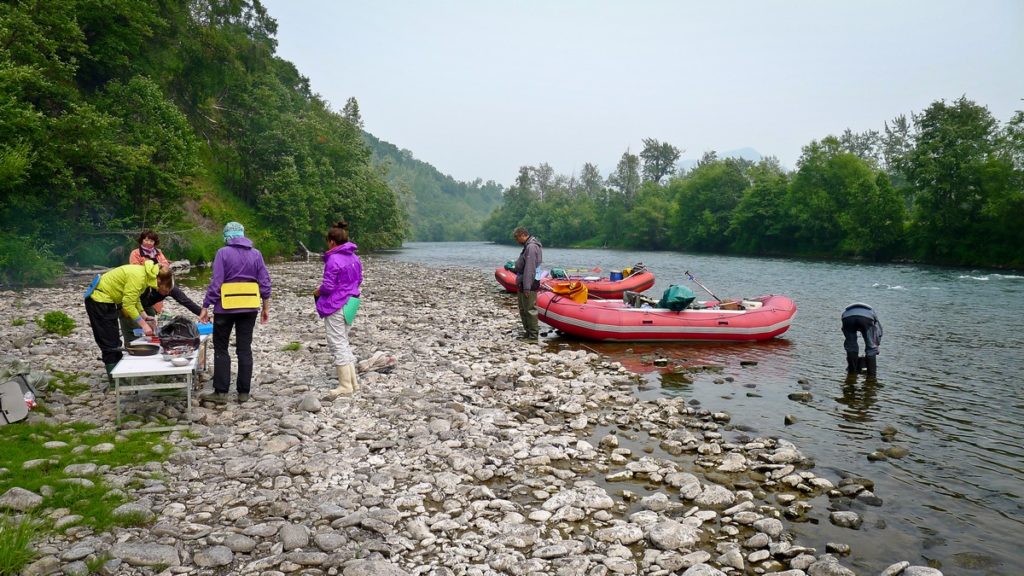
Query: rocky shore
{"type": "Point", "coordinates": [472, 454]}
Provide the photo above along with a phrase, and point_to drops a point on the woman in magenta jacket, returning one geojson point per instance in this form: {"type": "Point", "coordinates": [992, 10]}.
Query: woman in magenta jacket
{"type": "Point", "coordinates": [337, 299]}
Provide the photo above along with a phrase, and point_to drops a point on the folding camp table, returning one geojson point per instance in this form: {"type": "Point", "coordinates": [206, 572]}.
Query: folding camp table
{"type": "Point", "coordinates": [132, 368]}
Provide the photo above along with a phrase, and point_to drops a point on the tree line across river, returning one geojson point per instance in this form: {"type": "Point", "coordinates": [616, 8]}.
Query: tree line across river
{"type": "Point", "coordinates": [943, 186]}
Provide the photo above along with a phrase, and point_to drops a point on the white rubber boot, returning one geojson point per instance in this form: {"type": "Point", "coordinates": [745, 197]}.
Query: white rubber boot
{"type": "Point", "coordinates": [346, 384]}
{"type": "Point", "coordinates": [354, 376]}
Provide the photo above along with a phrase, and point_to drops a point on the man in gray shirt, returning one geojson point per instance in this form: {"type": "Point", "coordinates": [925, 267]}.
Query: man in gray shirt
{"type": "Point", "coordinates": [861, 318]}
{"type": "Point", "coordinates": [526, 280]}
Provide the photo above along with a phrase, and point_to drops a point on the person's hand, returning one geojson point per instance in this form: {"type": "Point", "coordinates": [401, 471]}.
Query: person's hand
{"type": "Point", "coordinates": [147, 330]}
{"type": "Point", "coordinates": [316, 293]}
{"type": "Point", "coordinates": [264, 316]}
{"type": "Point", "coordinates": [204, 316]}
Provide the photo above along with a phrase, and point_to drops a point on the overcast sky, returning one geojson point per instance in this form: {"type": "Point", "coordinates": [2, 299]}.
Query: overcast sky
{"type": "Point", "coordinates": [478, 88]}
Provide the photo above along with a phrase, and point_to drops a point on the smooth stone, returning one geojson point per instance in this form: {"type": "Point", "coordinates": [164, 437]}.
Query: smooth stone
{"type": "Point", "coordinates": [846, 519]}
{"type": "Point", "coordinates": [703, 570]}
{"type": "Point", "coordinates": [828, 565]}
{"type": "Point", "coordinates": [895, 569]}
{"type": "Point", "coordinates": [239, 543]}
{"type": "Point", "coordinates": [213, 556]}
{"type": "Point", "coordinates": [921, 571]}
{"type": "Point", "coordinates": [42, 567]}
{"type": "Point", "coordinates": [146, 554]}
{"type": "Point", "coordinates": [85, 469]}
{"type": "Point", "coordinates": [20, 499]}
{"type": "Point", "coordinates": [373, 568]}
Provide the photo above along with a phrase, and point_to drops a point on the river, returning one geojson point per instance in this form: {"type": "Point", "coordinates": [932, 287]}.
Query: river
{"type": "Point", "coordinates": [949, 380]}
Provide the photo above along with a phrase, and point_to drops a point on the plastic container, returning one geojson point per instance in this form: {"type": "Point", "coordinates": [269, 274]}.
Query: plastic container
{"type": "Point", "coordinates": [205, 328]}
{"type": "Point", "coordinates": [615, 275]}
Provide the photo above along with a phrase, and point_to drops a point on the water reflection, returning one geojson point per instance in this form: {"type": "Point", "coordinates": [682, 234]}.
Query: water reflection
{"type": "Point", "coordinates": [859, 397]}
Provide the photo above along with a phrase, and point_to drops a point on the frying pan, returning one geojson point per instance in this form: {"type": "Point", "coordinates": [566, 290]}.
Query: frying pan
{"type": "Point", "coordinates": [141, 349]}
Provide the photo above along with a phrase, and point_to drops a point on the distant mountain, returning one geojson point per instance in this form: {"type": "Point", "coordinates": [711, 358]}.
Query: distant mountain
{"type": "Point", "coordinates": [746, 153]}
{"type": "Point", "coordinates": [440, 208]}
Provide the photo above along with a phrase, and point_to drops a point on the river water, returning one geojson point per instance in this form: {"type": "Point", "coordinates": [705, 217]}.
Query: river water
{"type": "Point", "coordinates": [949, 380]}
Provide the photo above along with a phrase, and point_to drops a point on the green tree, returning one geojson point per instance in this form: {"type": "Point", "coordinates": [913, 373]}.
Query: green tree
{"type": "Point", "coordinates": [519, 201]}
{"type": "Point", "coordinates": [351, 112]}
{"type": "Point", "coordinates": [592, 183]}
{"type": "Point", "coordinates": [626, 177]}
{"type": "Point", "coordinates": [758, 223]}
{"type": "Point", "coordinates": [648, 225]}
{"type": "Point", "coordinates": [704, 201]}
{"type": "Point", "coordinates": [836, 206]}
{"type": "Point", "coordinates": [950, 172]}
{"type": "Point", "coordinates": [659, 160]}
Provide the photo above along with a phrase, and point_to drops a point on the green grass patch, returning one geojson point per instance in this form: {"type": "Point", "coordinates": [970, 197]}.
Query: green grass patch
{"type": "Point", "coordinates": [291, 347]}
{"type": "Point", "coordinates": [56, 322]}
{"type": "Point", "coordinates": [18, 322]}
{"type": "Point", "coordinates": [16, 535]}
{"type": "Point", "coordinates": [67, 382]}
{"type": "Point", "coordinates": [20, 443]}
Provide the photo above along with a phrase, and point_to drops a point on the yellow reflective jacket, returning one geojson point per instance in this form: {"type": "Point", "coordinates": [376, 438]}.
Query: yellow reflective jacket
{"type": "Point", "coordinates": [125, 284]}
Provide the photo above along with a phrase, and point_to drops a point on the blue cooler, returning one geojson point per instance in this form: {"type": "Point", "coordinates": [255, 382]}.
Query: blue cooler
{"type": "Point", "coordinates": [615, 275]}
{"type": "Point", "coordinates": [205, 328]}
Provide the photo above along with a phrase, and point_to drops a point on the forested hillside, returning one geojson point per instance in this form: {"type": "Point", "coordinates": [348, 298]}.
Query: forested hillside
{"type": "Point", "coordinates": [171, 115]}
{"type": "Point", "coordinates": [942, 186]}
{"type": "Point", "coordinates": [440, 207]}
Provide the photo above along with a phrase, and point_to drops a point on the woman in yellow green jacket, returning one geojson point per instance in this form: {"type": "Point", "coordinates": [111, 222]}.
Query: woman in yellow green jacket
{"type": "Point", "coordinates": [117, 292]}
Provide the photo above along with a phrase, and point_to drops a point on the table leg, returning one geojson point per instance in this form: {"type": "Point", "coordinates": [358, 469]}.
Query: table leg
{"type": "Point", "coordinates": [188, 400]}
{"type": "Point", "coordinates": [117, 403]}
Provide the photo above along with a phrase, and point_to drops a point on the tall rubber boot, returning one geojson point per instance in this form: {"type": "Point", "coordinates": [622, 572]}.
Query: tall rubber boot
{"type": "Point", "coordinates": [872, 362]}
{"type": "Point", "coordinates": [345, 384]}
{"type": "Point", "coordinates": [354, 376]}
{"type": "Point", "coordinates": [110, 379]}
{"type": "Point", "coordinates": [851, 363]}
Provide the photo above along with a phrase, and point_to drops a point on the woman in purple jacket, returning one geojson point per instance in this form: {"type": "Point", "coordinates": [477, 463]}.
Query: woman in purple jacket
{"type": "Point", "coordinates": [337, 299]}
{"type": "Point", "coordinates": [239, 291]}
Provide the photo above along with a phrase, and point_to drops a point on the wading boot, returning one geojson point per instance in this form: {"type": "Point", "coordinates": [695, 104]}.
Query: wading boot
{"type": "Point", "coordinates": [851, 363]}
{"type": "Point", "coordinates": [354, 376]}
{"type": "Point", "coordinates": [872, 362]}
{"type": "Point", "coordinates": [110, 379]}
{"type": "Point", "coordinates": [345, 384]}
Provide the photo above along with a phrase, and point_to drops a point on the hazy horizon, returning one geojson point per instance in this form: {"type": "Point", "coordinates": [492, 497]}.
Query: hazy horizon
{"type": "Point", "coordinates": [479, 89]}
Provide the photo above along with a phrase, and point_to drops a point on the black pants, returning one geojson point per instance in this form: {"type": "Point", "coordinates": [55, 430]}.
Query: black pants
{"type": "Point", "coordinates": [103, 319]}
{"type": "Point", "coordinates": [243, 325]}
{"type": "Point", "coordinates": [852, 325]}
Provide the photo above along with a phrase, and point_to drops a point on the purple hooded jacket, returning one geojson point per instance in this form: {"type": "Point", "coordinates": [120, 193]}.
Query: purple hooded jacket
{"type": "Point", "coordinates": [237, 261]}
{"type": "Point", "coordinates": [343, 273]}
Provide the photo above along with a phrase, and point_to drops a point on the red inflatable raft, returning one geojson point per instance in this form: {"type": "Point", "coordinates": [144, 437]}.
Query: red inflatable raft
{"type": "Point", "coordinates": [759, 318]}
{"type": "Point", "coordinates": [599, 288]}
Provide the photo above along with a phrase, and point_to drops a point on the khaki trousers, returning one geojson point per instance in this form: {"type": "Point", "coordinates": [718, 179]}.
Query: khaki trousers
{"type": "Point", "coordinates": [528, 313]}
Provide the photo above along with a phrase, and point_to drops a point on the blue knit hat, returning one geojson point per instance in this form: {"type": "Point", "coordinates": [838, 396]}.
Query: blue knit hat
{"type": "Point", "coordinates": [233, 230]}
